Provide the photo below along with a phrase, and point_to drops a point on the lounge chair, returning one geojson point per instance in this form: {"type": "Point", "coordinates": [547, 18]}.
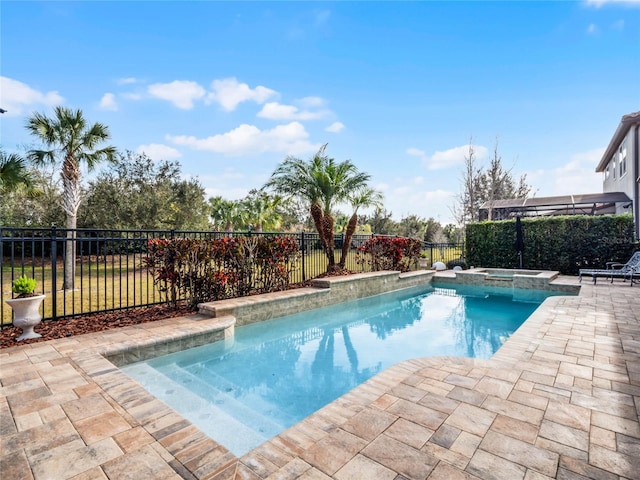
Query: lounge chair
{"type": "Point", "coordinates": [630, 270]}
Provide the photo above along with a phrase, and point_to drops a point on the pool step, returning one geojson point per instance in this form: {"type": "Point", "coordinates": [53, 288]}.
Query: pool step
{"type": "Point", "coordinates": [216, 413]}
{"type": "Point", "coordinates": [220, 392]}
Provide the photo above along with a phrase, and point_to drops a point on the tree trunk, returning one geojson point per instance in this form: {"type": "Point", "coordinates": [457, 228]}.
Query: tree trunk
{"type": "Point", "coordinates": [346, 245]}
{"type": "Point", "coordinates": [70, 254]}
{"type": "Point", "coordinates": [71, 201]}
{"type": "Point", "coordinates": [327, 225]}
{"type": "Point", "coordinates": [324, 226]}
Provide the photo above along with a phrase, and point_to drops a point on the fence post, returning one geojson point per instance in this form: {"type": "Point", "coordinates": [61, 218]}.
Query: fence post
{"type": "Point", "coordinates": [303, 248]}
{"type": "Point", "coordinates": [54, 273]}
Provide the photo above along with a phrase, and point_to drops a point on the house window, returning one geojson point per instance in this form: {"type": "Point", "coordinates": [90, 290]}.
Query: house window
{"type": "Point", "coordinates": [607, 172]}
{"type": "Point", "coordinates": [613, 166]}
{"type": "Point", "coordinates": [622, 158]}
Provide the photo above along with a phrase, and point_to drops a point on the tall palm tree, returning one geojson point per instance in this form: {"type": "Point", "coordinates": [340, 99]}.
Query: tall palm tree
{"type": "Point", "coordinates": [323, 183]}
{"type": "Point", "coordinates": [13, 172]}
{"type": "Point", "coordinates": [71, 142]}
{"type": "Point", "coordinates": [361, 198]}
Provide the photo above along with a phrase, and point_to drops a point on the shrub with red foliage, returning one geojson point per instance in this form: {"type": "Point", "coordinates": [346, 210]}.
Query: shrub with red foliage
{"type": "Point", "coordinates": [386, 253]}
{"type": "Point", "coordinates": [199, 270]}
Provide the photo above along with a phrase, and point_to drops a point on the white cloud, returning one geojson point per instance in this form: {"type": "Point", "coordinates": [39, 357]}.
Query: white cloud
{"type": "Point", "coordinates": [453, 157]}
{"type": "Point", "coordinates": [600, 3]}
{"type": "Point", "coordinates": [335, 127]}
{"type": "Point", "coordinates": [131, 96]}
{"type": "Point", "coordinates": [576, 176]}
{"type": "Point", "coordinates": [181, 93]}
{"type": "Point", "coordinates": [619, 25]}
{"type": "Point", "coordinates": [229, 93]}
{"type": "Point", "coordinates": [278, 111]}
{"type": "Point", "coordinates": [158, 151]}
{"type": "Point", "coordinates": [592, 29]}
{"type": "Point", "coordinates": [17, 97]}
{"type": "Point", "coordinates": [126, 81]}
{"type": "Point", "coordinates": [311, 102]}
{"type": "Point", "coordinates": [408, 198]}
{"type": "Point", "coordinates": [416, 152]}
{"type": "Point", "coordinates": [108, 102]}
{"type": "Point", "coordinates": [321, 17]}
{"type": "Point", "coordinates": [291, 138]}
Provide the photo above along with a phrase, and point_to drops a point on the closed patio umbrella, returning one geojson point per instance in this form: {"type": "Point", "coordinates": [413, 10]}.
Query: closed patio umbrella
{"type": "Point", "coordinates": [519, 239]}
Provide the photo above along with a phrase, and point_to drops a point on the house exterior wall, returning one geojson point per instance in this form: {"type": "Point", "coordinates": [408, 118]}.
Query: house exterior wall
{"type": "Point", "coordinates": [613, 179]}
{"type": "Point", "coordinates": [626, 150]}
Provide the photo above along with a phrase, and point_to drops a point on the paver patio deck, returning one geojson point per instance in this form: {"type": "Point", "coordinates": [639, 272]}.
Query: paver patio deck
{"type": "Point", "coordinates": [561, 399]}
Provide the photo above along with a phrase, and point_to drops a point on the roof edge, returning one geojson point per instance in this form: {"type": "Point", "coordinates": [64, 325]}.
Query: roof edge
{"type": "Point", "coordinates": [626, 122]}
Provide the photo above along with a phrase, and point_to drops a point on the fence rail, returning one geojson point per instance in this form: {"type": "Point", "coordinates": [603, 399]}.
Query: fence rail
{"type": "Point", "coordinates": [108, 273]}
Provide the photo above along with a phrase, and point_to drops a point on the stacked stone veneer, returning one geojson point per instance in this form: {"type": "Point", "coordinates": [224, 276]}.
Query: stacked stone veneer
{"type": "Point", "coordinates": [323, 292]}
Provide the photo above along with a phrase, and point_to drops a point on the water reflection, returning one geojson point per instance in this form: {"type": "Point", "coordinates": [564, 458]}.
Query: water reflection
{"type": "Point", "coordinates": [287, 368]}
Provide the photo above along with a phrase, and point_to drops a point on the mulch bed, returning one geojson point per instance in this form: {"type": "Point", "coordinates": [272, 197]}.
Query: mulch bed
{"type": "Point", "coordinates": [69, 327]}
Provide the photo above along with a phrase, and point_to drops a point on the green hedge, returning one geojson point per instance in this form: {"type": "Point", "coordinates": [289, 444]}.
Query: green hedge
{"type": "Point", "coordinates": [563, 243]}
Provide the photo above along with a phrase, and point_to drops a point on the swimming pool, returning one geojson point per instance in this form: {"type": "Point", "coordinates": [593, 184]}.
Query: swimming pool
{"type": "Point", "coordinates": [277, 372]}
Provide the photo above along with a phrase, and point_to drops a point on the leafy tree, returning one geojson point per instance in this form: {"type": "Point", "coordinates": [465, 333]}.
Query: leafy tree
{"type": "Point", "coordinates": [37, 206]}
{"type": "Point", "coordinates": [454, 234]}
{"type": "Point", "coordinates": [294, 215]}
{"type": "Point", "coordinates": [322, 183]}
{"type": "Point", "coordinates": [381, 222]}
{"type": "Point", "coordinates": [412, 226]}
{"type": "Point", "coordinates": [13, 173]}
{"type": "Point", "coordinates": [71, 142]}
{"type": "Point", "coordinates": [138, 193]}
{"type": "Point", "coordinates": [431, 228]}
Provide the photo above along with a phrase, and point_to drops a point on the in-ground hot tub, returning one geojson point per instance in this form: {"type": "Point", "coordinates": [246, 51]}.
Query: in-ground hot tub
{"type": "Point", "coordinates": [515, 278]}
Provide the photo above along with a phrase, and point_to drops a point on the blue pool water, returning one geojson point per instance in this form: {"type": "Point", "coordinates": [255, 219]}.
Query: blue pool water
{"type": "Point", "coordinates": [275, 373]}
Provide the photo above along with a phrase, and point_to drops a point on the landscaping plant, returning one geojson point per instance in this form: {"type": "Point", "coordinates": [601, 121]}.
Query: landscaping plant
{"type": "Point", "coordinates": [24, 286]}
{"type": "Point", "coordinates": [386, 253]}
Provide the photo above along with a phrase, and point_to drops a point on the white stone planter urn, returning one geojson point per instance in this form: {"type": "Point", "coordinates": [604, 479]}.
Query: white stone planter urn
{"type": "Point", "coordinates": [26, 315]}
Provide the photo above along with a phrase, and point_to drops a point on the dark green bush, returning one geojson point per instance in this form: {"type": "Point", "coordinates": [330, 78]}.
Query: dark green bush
{"type": "Point", "coordinates": [562, 243]}
{"type": "Point", "coordinates": [459, 262]}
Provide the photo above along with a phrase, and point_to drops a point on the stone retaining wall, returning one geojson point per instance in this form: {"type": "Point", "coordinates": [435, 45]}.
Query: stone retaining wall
{"type": "Point", "coordinates": [323, 292]}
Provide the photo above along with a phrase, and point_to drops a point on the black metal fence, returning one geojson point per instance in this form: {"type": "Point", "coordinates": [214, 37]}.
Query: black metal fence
{"type": "Point", "coordinates": [108, 273]}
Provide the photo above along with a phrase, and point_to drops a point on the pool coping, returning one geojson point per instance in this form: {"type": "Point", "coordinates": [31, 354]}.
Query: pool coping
{"type": "Point", "coordinates": [151, 438]}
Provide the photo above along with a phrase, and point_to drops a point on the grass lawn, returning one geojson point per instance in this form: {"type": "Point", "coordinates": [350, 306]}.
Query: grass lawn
{"type": "Point", "coordinates": [116, 282]}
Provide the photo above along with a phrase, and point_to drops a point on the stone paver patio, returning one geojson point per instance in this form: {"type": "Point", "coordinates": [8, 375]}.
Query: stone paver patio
{"type": "Point", "coordinates": [561, 399]}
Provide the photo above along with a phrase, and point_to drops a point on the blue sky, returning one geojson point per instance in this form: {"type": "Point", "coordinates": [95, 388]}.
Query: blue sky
{"type": "Point", "coordinates": [229, 89]}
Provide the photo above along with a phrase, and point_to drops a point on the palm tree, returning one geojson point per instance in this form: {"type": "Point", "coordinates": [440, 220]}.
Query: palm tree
{"type": "Point", "coordinates": [71, 142]}
{"type": "Point", "coordinates": [362, 198]}
{"type": "Point", "coordinates": [261, 210]}
{"type": "Point", "coordinates": [323, 183]}
{"type": "Point", "coordinates": [13, 173]}
{"type": "Point", "coordinates": [225, 212]}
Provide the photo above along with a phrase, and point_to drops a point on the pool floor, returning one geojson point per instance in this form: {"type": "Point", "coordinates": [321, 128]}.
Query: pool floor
{"type": "Point", "coordinates": [277, 372]}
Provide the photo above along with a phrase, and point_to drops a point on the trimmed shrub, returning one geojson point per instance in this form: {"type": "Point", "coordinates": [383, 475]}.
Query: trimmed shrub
{"type": "Point", "coordinates": [562, 243]}
{"type": "Point", "coordinates": [200, 270]}
{"type": "Point", "coordinates": [459, 262]}
{"type": "Point", "coordinates": [386, 253]}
